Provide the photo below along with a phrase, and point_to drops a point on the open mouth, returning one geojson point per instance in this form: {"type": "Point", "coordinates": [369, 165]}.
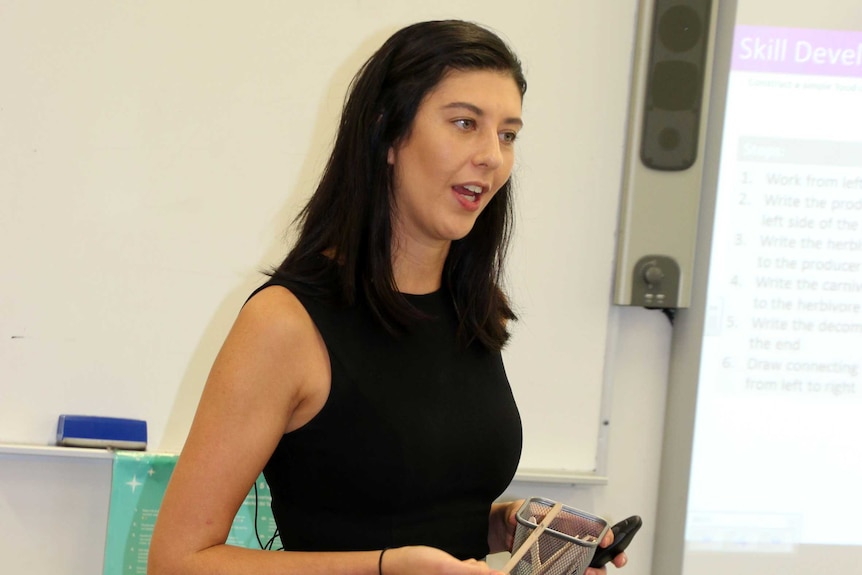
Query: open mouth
{"type": "Point", "coordinates": [470, 192]}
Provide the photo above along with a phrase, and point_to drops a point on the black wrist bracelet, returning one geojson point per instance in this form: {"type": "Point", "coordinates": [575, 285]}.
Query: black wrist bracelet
{"type": "Point", "coordinates": [380, 561]}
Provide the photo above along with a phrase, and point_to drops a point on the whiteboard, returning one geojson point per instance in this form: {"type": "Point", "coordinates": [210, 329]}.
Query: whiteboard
{"type": "Point", "coordinates": [153, 155]}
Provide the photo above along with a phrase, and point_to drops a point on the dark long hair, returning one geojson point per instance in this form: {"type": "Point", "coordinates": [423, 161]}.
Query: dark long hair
{"type": "Point", "coordinates": [349, 215]}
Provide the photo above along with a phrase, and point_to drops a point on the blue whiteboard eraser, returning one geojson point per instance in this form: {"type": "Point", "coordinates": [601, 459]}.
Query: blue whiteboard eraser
{"type": "Point", "coordinates": [93, 431]}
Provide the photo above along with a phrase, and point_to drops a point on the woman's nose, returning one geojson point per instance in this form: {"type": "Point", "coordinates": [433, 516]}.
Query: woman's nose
{"type": "Point", "coordinates": [489, 153]}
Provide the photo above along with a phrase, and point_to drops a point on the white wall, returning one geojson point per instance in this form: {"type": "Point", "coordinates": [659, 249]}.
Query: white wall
{"type": "Point", "coordinates": [571, 164]}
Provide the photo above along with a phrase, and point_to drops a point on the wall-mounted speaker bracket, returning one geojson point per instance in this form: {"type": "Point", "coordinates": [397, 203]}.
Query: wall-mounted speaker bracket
{"type": "Point", "coordinates": [663, 169]}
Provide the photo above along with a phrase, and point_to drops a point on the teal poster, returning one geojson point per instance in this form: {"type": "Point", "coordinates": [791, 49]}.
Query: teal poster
{"type": "Point", "coordinates": [137, 488]}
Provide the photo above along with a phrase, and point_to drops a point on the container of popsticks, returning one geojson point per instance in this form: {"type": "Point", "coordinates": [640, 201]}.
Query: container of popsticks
{"type": "Point", "coordinates": [553, 539]}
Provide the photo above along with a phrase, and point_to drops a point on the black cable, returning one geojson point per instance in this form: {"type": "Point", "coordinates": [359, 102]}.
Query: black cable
{"type": "Point", "coordinates": [256, 532]}
{"type": "Point", "coordinates": [670, 313]}
{"type": "Point", "coordinates": [271, 541]}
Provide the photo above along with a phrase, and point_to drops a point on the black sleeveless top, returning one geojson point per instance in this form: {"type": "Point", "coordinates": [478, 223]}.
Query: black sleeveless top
{"type": "Point", "coordinates": [417, 438]}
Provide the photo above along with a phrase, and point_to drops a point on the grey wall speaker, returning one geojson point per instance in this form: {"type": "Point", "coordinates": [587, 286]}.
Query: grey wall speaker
{"type": "Point", "coordinates": [664, 167]}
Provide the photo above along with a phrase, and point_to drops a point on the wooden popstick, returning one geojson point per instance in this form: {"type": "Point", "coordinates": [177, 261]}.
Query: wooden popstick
{"type": "Point", "coordinates": [531, 539]}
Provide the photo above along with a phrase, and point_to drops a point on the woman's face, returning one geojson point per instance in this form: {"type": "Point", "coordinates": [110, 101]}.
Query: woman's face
{"type": "Point", "coordinates": [457, 155]}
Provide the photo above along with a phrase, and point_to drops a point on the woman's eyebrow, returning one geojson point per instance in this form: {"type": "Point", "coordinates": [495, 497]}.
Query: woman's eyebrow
{"type": "Point", "coordinates": [479, 112]}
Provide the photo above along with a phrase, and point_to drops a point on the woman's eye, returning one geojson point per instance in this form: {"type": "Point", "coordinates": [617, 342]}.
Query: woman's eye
{"type": "Point", "coordinates": [465, 123]}
{"type": "Point", "coordinates": [508, 137]}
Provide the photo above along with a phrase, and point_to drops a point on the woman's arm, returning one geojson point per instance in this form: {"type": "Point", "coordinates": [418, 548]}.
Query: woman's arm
{"type": "Point", "coordinates": [269, 375]}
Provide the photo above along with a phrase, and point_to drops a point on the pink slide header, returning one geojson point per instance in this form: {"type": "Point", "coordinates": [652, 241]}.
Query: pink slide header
{"type": "Point", "coordinates": [797, 51]}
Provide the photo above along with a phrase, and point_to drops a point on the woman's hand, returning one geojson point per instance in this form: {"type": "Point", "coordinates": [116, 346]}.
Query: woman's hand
{"type": "Point", "coordinates": [501, 534]}
{"type": "Point", "coordinates": [420, 560]}
{"type": "Point", "coordinates": [501, 525]}
{"type": "Point", "coordinates": [619, 561]}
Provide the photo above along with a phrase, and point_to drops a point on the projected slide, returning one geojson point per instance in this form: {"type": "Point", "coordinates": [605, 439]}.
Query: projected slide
{"type": "Point", "coordinates": [777, 459]}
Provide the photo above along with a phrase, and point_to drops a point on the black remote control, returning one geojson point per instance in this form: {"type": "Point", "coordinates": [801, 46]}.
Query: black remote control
{"type": "Point", "coordinates": [624, 531]}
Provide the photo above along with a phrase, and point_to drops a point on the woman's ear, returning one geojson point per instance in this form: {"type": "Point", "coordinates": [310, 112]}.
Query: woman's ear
{"type": "Point", "coordinates": [390, 156]}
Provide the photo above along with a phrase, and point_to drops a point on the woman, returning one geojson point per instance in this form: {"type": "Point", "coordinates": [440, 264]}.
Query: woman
{"type": "Point", "coordinates": [365, 378]}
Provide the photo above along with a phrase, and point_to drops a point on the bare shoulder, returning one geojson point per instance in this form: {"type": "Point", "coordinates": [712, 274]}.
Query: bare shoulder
{"type": "Point", "coordinates": [275, 329]}
{"type": "Point", "coordinates": [276, 345]}
{"type": "Point", "coordinates": [275, 312]}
